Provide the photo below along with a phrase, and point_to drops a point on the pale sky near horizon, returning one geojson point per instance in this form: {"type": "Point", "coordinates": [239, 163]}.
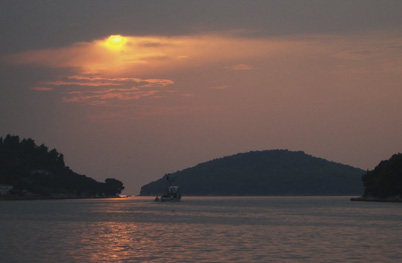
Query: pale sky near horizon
{"type": "Point", "coordinates": [190, 81]}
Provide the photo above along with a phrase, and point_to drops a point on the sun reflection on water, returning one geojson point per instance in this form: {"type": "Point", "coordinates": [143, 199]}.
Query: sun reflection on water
{"type": "Point", "coordinates": [201, 230]}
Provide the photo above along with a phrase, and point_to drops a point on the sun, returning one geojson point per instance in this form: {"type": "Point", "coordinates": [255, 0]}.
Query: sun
{"type": "Point", "coordinates": [115, 42]}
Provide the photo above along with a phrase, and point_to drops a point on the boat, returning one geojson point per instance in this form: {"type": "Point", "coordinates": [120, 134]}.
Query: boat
{"type": "Point", "coordinates": [173, 194]}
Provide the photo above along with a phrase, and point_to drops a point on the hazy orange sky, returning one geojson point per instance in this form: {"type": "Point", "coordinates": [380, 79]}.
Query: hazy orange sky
{"type": "Point", "coordinates": [136, 89]}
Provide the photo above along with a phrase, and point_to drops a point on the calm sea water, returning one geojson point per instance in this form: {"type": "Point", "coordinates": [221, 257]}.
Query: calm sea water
{"type": "Point", "coordinates": [201, 229]}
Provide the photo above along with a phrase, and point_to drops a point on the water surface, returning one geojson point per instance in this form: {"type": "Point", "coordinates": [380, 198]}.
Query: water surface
{"type": "Point", "coordinates": [201, 229]}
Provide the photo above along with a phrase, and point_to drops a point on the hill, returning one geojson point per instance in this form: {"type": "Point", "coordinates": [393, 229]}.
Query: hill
{"type": "Point", "coordinates": [384, 183]}
{"type": "Point", "coordinates": [28, 171]}
{"type": "Point", "coordinates": [271, 172]}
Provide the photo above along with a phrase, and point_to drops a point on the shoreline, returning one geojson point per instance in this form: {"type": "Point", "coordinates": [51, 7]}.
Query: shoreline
{"type": "Point", "coordinates": [34, 198]}
{"type": "Point", "coordinates": [395, 199]}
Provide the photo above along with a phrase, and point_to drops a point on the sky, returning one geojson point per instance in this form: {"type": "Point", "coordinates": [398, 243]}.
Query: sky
{"type": "Point", "coordinates": [133, 90]}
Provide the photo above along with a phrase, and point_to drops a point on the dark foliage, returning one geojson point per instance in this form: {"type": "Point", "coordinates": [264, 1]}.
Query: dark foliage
{"type": "Point", "coordinates": [385, 180]}
{"type": "Point", "coordinates": [35, 171]}
{"type": "Point", "coordinates": [274, 172]}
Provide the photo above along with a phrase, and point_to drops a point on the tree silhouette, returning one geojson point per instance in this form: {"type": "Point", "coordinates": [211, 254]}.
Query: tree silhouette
{"type": "Point", "coordinates": [34, 170]}
{"type": "Point", "coordinates": [385, 180]}
{"type": "Point", "coordinates": [113, 186]}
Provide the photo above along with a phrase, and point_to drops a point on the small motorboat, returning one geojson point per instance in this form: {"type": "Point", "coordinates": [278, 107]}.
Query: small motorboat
{"type": "Point", "coordinates": [173, 194]}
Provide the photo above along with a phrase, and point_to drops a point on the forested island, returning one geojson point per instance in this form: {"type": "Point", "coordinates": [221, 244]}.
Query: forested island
{"type": "Point", "coordinates": [270, 172]}
{"type": "Point", "coordinates": [29, 171]}
{"type": "Point", "coordinates": [384, 183]}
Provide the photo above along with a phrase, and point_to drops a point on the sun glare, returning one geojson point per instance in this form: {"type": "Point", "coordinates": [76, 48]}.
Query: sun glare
{"type": "Point", "coordinates": [115, 42]}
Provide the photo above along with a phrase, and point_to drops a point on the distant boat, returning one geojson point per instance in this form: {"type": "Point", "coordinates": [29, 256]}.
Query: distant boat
{"type": "Point", "coordinates": [173, 194]}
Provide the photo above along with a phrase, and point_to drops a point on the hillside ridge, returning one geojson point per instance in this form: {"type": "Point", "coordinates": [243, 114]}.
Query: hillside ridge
{"type": "Point", "coordinates": [29, 171]}
{"type": "Point", "coordinates": [268, 172]}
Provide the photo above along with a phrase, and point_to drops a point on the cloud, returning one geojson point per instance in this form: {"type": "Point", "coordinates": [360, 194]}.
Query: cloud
{"type": "Point", "coordinates": [95, 90]}
{"type": "Point", "coordinates": [118, 68]}
{"type": "Point", "coordinates": [41, 88]}
{"type": "Point", "coordinates": [144, 55]}
{"type": "Point", "coordinates": [101, 73]}
{"type": "Point", "coordinates": [101, 97]}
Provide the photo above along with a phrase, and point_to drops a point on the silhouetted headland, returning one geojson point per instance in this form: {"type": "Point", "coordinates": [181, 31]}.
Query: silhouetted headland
{"type": "Point", "coordinates": [384, 183]}
{"type": "Point", "coordinates": [28, 171]}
